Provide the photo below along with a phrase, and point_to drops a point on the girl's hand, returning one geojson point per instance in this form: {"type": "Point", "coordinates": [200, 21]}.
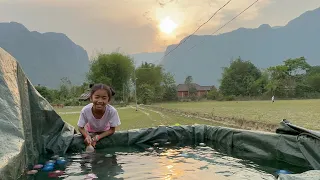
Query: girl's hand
{"type": "Point", "coordinates": [88, 140]}
{"type": "Point", "coordinates": [95, 140]}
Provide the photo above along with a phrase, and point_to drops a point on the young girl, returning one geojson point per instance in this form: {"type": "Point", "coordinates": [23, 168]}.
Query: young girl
{"type": "Point", "coordinates": [98, 119]}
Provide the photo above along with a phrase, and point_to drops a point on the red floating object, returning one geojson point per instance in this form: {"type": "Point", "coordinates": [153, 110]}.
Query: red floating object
{"type": "Point", "coordinates": [55, 174]}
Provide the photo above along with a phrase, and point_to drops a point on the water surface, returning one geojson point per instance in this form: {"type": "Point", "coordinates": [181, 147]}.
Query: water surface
{"type": "Point", "coordinates": [189, 162]}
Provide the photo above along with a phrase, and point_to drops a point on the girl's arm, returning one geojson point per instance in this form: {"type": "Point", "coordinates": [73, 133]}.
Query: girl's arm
{"type": "Point", "coordinates": [87, 137]}
{"type": "Point", "coordinates": [83, 132]}
{"type": "Point", "coordinates": [102, 135]}
{"type": "Point", "coordinates": [81, 123]}
{"type": "Point", "coordinates": [107, 133]}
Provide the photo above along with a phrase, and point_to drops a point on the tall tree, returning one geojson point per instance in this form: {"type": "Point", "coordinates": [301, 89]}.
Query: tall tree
{"type": "Point", "coordinates": [45, 92]}
{"type": "Point", "coordinates": [170, 88]}
{"type": "Point", "coordinates": [153, 83]}
{"type": "Point", "coordinates": [113, 69]}
{"type": "Point", "coordinates": [289, 79]}
{"type": "Point", "coordinates": [192, 90]}
{"type": "Point", "coordinates": [150, 76]}
{"type": "Point", "coordinates": [188, 80]}
{"type": "Point", "coordinates": [240, 78]}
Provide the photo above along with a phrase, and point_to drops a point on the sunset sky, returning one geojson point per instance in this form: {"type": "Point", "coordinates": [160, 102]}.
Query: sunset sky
{"type": "Point", "coordinates": [143, 25]}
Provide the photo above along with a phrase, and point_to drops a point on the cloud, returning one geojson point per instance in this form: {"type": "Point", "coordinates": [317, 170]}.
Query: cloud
{"type": "Point", "coordinates": [131, 25]}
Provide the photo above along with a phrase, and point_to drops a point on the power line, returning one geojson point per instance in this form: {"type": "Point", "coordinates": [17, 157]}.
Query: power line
{"type": "Point", "coordinates": [195, 30]}
{"type": "Point", "coordinates": [226, 24]}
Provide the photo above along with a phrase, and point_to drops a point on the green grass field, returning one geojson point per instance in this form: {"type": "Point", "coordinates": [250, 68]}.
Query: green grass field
{"type": "Point", "coordinates": [304, 113]}
{"type": "Point", "coordinates": [131, 119]}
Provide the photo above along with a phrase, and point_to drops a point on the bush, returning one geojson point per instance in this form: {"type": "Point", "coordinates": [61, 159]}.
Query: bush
{"type": "Point", "coordinates": [230, 98]}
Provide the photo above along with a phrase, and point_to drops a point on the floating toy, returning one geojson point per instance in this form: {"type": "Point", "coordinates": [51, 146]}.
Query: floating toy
{"type": "Point", "coordinates": [38, 166]}
{"type": "Point", "coordinates": [55, 174]}
{"type": "Point", "coordinates": [51, 161]}
{"type": "Point", "coordinates": [47, 168]}
{"type": "Point", "coordinates": [62, 161]}
{"type": "Point", "coordinates": [49, 164]}
{"type": "Point", "coordinates": [32, 172]}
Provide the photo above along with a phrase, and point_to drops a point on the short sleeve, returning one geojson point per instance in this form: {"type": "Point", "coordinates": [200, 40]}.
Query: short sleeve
{"type": "Point", "coordinates": [82, 120]}
{"type": "Point", "coordinates": [114, 119]}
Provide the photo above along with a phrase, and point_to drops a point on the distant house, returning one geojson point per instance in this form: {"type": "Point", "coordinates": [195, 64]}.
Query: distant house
{"type": "Point", "coordinates": [183, 90]}
{"type": "Point", "coordinates": [85, 96]}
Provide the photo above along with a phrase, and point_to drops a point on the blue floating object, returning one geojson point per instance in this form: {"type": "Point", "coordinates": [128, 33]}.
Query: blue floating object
{"type": "Point", "coordinates": [47, 168]}
{"type": "Point", "coordinates": [49, 164]}
{"type": "Point", "coordinates": [62, 161]}
{"type": "Point", "coordinates": [283, 172]}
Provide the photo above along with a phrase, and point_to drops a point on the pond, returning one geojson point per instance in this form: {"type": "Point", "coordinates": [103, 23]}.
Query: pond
{"type": "Point", "coordinates": [166, 162]}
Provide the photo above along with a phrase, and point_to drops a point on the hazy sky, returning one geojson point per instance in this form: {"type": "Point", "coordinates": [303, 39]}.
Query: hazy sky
{"type": "Point", "coordinates": [105, 25]}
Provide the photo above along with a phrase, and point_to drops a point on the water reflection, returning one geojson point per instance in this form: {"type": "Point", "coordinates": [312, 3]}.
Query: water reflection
{"type": "Point", "coordinates": [164, 162]}
{"type": "Point", "coordinates": [101, 166]}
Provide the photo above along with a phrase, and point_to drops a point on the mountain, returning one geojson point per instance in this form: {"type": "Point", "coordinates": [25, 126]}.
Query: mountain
{"type": "Point", "coordinates": [44, 57]}
{"type": "Point", "coordinates": [264, 46]}
{"type": "Point", "coordinates": [147, 57]}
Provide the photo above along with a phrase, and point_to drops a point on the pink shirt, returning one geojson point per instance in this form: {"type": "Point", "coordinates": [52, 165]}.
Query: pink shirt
{"type": "Point", "coordinates": [109, 119]}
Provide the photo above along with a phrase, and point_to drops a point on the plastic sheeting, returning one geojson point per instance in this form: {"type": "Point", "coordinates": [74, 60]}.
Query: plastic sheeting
{"type": "Point", "coordinates": [292, 145]}
{"type": "Point", "coordinates": [29, 127]}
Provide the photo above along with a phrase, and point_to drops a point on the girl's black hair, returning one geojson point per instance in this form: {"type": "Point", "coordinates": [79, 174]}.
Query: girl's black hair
{"type": "Point", "coordinates": [95, 87]}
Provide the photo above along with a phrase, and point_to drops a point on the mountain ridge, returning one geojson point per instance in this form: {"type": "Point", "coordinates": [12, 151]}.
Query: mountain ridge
{"type": "Point", "coordinates": [45, 57]}
{"type": "Point", "coordinates": [265, 46]}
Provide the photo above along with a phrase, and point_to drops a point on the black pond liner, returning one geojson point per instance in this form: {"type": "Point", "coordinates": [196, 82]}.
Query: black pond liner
{"type": "Point", "coordinates": [292, 148]}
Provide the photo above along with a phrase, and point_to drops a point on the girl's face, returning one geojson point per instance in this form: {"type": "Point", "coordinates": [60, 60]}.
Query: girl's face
{"type": "Point", "coordinates": [100, 99]}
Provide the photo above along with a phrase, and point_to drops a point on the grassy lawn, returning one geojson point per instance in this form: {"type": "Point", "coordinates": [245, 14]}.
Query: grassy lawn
{"type": "Point", "coordinates": [130, 119]}
{"type": "Point", "coordinates": [300, 112]}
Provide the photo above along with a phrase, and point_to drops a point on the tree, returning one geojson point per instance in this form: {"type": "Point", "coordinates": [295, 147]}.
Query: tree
{"type": "Point", "coordinates": [214, 94]}
{"type": "Point", "coordinates": [170, 88]}
{"type": "Point", "coordinates": [65, 86]}
{"type": "Point", "coordinates": [314, 81]}
{"type": "Point", "coordinates": [192, 90]}
{"type": "Point", "coordinates": [240, 78]}
{"type": "Point", "coordinates": [278, 79]}
{"type": "Point", "coordinates": [152, 75]}
{"type": "Point", "coordinates": [151, 79]}
{"type": "Point", "coordinates": [147, 94]}
{"type": "Point", "coordinates": [188, 80]}
{"type": "Point", "coordinates": [297, 66]}
{"type": "Point", "coordinates": [313, 70]}
{"type": "Point", "coordinates": [45, 92]}
{"type": "Point", "coordinates": [289, 79]}
{"type": "Point", "coordinates": [113, 69]}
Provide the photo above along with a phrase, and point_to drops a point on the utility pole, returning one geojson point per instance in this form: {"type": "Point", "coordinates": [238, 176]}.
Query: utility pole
{"type": "Point", "coordinates": [135, 87]}
{"type": "Point", "coordinates": [123, 92]}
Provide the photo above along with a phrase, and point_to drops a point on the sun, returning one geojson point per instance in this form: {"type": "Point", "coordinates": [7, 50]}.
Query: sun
{"type": "Point", "coordinates": [167, 25]}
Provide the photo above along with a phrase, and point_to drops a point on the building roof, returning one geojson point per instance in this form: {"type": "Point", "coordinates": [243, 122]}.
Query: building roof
{"type": "Point", "coordinates": [184, 87]}
{"type": "Point", "coordinates": [85, 96]}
